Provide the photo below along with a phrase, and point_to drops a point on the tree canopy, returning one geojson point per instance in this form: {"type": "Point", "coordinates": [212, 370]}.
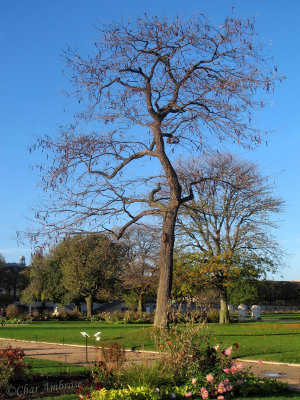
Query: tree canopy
{"type": "Point", "coordinates": [226, 229]}
{"type": "Point", "coordinates": [82, 267]}
{"type": "Point", "coordinates": [152, 87]}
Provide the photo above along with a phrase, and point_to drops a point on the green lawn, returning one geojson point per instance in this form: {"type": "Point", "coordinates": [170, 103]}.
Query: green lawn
{"type": "Point", "coordinates": [48, 367]}
{"type": "Point", "coordinates": [273, 341]}
{"type": "Point", "coordinates": [294, 316]}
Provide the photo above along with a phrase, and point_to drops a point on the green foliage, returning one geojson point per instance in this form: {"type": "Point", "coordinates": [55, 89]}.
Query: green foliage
{"type": "Point", "coordinates": [90, 264]}
{"type": "Point", "coordinates": [131, 299]}
{"type": "Point", "coordinates": [82, 267]}
{"type": "Point", "coordinates": [44, 278]}
{"type": "Point", "coordinates": [5, 298]}
{"type": "Point", "coordinates": [213, 315]}
{"type": "Point", "coordinates": [139, 393]}
{"type": "Point", "coordinates": [126, 317]}
{"type": "Point", "coordinates": [145, 374]}
{"type": "Point", "coordinates": [242, 291]}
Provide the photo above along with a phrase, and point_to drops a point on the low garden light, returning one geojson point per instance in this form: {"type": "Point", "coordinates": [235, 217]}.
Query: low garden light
{"type": "Point", "coordinates": [86, 335]}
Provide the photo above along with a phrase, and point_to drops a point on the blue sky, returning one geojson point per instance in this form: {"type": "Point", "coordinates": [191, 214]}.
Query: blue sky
{"type": "Point", "coordinates": [33, 34]}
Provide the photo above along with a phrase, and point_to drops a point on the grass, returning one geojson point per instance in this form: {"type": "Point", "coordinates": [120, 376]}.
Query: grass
{"type": "Point", "coordinates": [268, 341]}
{"type": "Point", "coordinates": [288, 396]}
{"type": "Point", "coordinates": [49, 368]}
{"type": "Point", "coordinates": [294, 316]}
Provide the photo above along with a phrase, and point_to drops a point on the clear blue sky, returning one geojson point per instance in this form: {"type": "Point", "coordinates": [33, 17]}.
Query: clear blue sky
{"type": "Point", "coordinates": [33, 34]}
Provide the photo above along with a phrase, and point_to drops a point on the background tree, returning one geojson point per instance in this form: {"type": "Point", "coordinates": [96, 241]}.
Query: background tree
{"type": "Point", "coordinates": [243, 291]}
{"type": "Point", "coordinates": [152, 87]}
{"type": "Point", "coordinates": [227, 226]}
{"type": "Point", "coordinates": [44, 279]}
{"type": "Point", "coordinates": [11, 280]}
{"type": "Point", "coordinates": [5, 298]}
{"type": "Point", "coordinates": [2, 261]}
{"type": "Point", "coordinates": [90, 266]}
{"type": "Point", "coordinates": [140, 273]}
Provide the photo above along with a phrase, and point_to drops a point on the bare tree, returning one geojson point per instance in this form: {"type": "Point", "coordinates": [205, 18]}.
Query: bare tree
{"type": "Point", "coordinates": [152, 87]}
{"type": "Point", "coordinates": [227, 227]}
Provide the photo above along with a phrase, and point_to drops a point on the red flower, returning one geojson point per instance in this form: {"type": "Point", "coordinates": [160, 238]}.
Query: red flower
{"type": "Point", "coordinates": [98, 385]}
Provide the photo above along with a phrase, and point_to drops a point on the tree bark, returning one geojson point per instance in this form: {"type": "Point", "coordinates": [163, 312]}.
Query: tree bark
{"type": "Point", "coordinates": [166, 268]}
{"type": "Point", "coordinates": [168, 233]}
{"type": "Point", "coordinates": [89, 306]}
{"type": "Point", "coordinates": [224, 313]}
{"type": "Point", "coordinates": [140, 303]}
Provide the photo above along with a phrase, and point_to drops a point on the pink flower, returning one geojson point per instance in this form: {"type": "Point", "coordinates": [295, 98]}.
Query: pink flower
{"type": "Point", "coordinates": [157, 390]}
{"type": "Point", "coordinates": [228, 351]}
{"type": "Point", "coordinates": [194, 380]}
{"type": "Point", "coordinates": [226, 370]}
{"type": "Point", "coordinates": [228, 388]}
{"type": "Point", "coordinates": [233, 369]}
{"type": "Point", "coordinates": [259, 362]}
{"type": "Point", "coordinates": [209, 378]}
{"type": "Point", "coordinates": [220, 397]}
{"type": "Point", "coordinates": [189, 394]}
{"type": "Point", "coordinates": [239, 366]}
{"type": "Point", "coordinates": [240, 381]}
{"type": "Point", "coordinates": [221, 388]}
{"type": "Point", "coordinates": [225, 382]}
{"type": "Point", "coordinates": [204, 393]}
{"type": "Point", "coordinates": [217, 347]}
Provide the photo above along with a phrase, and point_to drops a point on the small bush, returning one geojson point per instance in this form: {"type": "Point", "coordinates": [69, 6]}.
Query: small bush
{"type": "Point", "coordinates": [126, 317]}
{"type": "Point", "coordinates": [12, 311]}
{"type": "Point", "coordinates": [12, 365]}
{"type": "Point", "coordinates": [112, 355]}
{"type": "Point", "coordinates": [134, 317]}
{"type": "Point", "coordinates": [70, 315]}
{"type": "Point", "coordinates": [213, 315]}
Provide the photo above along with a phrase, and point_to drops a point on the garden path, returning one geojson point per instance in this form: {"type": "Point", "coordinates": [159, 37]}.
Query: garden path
{"type": "Point", "coordinates": [76, 354]}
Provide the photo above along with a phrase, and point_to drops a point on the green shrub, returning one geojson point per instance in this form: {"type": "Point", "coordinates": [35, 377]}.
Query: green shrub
{"type": "Point", "coordinates": [126, 317]}
{"type": "Point", "coordinates": [131, 299]}
{"type": "Point", "coordinates": [139, 393]}
{"type": "Point", "coordinates": [145, 374]}
{"type": "Point", "coordinates": [134, 317]}
{"type": "Point", "coordinates": [213, 315]}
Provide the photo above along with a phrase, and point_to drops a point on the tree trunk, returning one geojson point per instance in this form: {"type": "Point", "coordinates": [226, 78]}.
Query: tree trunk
{"type": "Point", "coordinates": [89, 306]}
{"type": "Point", "coordinates": [166, 267]}
{"type": "Point", "coordinates": [224, 313]}
{"type": "Point", "coordinates": [77, 307]}
{"type": "Point", "coordinates": [168, 232]}
{"type": "Point", "coordinates": [140, 303]}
